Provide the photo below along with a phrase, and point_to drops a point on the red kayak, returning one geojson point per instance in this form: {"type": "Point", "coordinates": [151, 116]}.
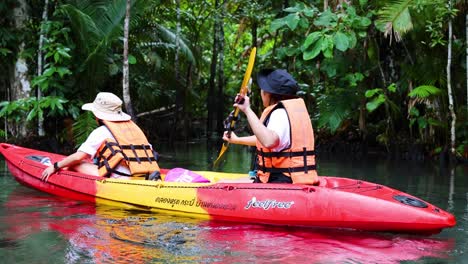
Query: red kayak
{"type": "Point", "coordinates": [334, 203]}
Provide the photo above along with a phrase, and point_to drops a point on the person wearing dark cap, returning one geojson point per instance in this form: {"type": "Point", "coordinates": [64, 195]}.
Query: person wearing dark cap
{"type": "Point", "coordinates": [114, 145]}
{"type": "Point", "coordinates": [283, 135]}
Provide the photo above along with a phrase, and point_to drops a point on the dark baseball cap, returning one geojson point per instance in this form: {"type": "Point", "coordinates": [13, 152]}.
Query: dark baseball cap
{"type": "Point", "coordinates": [277, 82]}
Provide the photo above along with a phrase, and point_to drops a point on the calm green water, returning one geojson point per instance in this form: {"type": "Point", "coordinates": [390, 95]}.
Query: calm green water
{"type": "Point", "coordinates": [39, 228]}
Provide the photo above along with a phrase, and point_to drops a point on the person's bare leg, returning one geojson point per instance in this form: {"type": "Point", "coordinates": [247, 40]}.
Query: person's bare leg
{"type": "Point", "coordinates": [86, 168]}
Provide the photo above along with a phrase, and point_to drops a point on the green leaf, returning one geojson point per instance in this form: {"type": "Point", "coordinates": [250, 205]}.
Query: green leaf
{"type": "Point", "coordinates": [329, 67]}
{"type": "Point", "coordinates": [392, 87]}
{"type": "Point", "coordinates": [314, 52]}
{"type": "Point", "coordinates": [304, 23]}
{"type": "Point", "coordinates": [49, 72]}
{"type": "Point", "coordinates": [132, 59]}
{"type": "Point", "coordinates": [62, 71]}
{"type": "Point", "coordinates": [435, 122]}
{"type": "Point", "coordinates": [113, 69]}
{"type": "Point", "coordinates": [365, 22]}
{"type": "Point", "coordinates": [354, 78]}
{"type": "Point", "coordinates": [362, 34]}
{"type": "Point", "coordinates": [312, 38]}
{"type": "Point", "coordinates": [31, 115]}
{"type": "Point", "coordinates": [64, 52]}
{"type": "Point", "coordinates": [371, 93]}
{"type": "Point", "coordinates": [414, 112]}
{"type": "Point", "coordinates": [341, 41]}
{"type": "Point", "coordinates": [308, 12]}
{"type": "Point", "coordinates": [4, 51]}
{"type": "Point", "coordinates": [352, 39]}
{"type": "Point", "coordinates": [291, 51]}
{"type": "Point", "coordinates": [294, 9]}
{"type": "Point", "coordinates": [326, 19]}
{"type": "Point", "coordinates": [422, 123]}
{"type": "Point", "coordinates": [56, 57]}
{"type": "Point", "coordinates": [292, 20]}
{"type": "Point", "coordinates": [374, 104]}
{"type": "Point", "coordinates": [277, 24]}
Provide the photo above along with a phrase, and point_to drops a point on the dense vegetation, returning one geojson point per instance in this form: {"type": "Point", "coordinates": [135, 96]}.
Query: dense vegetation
{"type": "Point", "coordinates": [386, 75]}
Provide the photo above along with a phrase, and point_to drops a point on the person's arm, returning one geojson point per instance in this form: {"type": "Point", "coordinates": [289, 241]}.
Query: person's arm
{"type": "Point", "coordinates": [234, 139]}
{"type": "Point", "coordinates": [267, 137]}
{"type": "Point", "coordinates": [69, 161]}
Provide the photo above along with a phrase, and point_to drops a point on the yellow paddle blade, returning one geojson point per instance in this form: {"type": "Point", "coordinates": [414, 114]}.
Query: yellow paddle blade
{"type": "Point", "coordinates": [243, 91]}
{"type": "Point", "coordinates": [221, 154]}
{"type": "Point", "coordinates": [248, 72]}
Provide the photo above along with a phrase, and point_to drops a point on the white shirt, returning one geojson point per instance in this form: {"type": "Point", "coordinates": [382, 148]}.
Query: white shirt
{"type": "Point", "coordinates": [279, 123]}
{"type": "Point", "coordinates": [94, 141]}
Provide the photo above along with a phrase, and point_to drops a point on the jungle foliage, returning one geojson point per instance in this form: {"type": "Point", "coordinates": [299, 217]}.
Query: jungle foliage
{"type": "Point", "coordinates": [371, 72]}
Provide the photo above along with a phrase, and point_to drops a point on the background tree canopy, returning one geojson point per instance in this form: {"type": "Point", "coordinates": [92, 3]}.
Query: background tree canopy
{"type": "Point", "coordinates": [390, 75]}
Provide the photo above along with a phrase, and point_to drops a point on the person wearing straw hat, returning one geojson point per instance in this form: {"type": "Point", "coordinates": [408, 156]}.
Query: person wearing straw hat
{"type": "Point", "coordinates": [283, 135]}
{"type": "Point", "coordinates": [107, 108]}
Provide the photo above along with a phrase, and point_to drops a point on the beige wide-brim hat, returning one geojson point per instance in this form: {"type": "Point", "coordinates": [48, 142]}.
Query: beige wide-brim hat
{"type": "Point", "coordinates": [107, 106]}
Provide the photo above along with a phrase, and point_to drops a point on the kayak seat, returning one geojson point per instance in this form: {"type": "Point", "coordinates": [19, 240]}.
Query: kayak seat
{"type": "Point", "coordinates": [41, 159]}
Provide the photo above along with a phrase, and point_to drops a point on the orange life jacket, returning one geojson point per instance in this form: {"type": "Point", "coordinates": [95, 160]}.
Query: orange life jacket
{"type": "Point", "coordinates": [130, 148]}
{"type": "Point", "coordinates": [298, 160]}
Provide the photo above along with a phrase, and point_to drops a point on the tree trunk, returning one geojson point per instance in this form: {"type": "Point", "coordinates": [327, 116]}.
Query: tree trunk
{"type": "Point", "coordinates": [221, 78]}
{"type": "Point", "coordinates": [40, 121]}
{"type": "Point", "coordinates": [212, 83]}
{"type": "Point", "coordinates": [449, 86]}
{"type": "Point", "coordinates": [189, 85]}
{"type": "Point", "coordinates": [179, 84]}
{"type": "Point", "coordinates": [466, 59]}
{"type": "Point", "coordinates": [125, 71]}
{"type": "Point", "coordinates": [255, 103]}
{"type": "Point", "coordinates": [21, 86]}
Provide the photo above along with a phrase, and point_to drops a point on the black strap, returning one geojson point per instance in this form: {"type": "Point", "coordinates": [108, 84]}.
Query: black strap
{"type": "Point", "coordinates": [151, 159]}
{"type": "Point", "coordinates": [305, 159]}
{"type": "Point", "coordinates": [263, 156]}
{"type": "Point", "coordinates": [290, 170]}
{"type": "Point", "coordinates": [134, 153]}
{"type": "Point", "coordinates": [142, 146]}
{"type": "Point", "coordinates": [146, 153]}
{"type": "Point", "coordinates": [285, 153]}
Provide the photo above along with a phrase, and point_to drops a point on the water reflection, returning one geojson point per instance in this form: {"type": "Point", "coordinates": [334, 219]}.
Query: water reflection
{"type": "Point", "coordinates": [38, 228]}
{"type": "Point", "coordinates": [83, 233]}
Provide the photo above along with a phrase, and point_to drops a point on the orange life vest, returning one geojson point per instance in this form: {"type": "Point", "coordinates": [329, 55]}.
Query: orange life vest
{"type": "Point", "coordinates": [298, 160]}
{"type": "Point", "coordinates": [130, 148]}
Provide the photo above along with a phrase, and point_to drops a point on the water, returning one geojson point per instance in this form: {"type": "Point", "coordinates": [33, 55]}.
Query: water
{"type": "Point", "coordinates": [39, 228]}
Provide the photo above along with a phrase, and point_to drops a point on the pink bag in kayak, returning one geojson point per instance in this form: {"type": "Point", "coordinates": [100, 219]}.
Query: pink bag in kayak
{"type": "Point", "coordinates": [183, 175]}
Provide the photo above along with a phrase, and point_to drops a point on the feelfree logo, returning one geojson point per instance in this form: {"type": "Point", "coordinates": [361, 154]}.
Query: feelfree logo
{"type": "Point", "coordinates": [267, 204]}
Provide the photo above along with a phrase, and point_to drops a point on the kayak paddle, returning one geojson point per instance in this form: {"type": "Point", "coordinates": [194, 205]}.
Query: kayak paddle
{"type": "Point", "coordinates": [242, 92]}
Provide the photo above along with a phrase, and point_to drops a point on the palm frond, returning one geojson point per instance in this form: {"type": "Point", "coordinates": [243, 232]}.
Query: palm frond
{"type": "Point", "coordinates": [84, 125]}
{"type": "Point", "coordinates": [334, 109]}
{"type": "Point", "coordinates": [396, 17]}
{"type": "Point", "coordinates": [424, 91]}
{"type": "Point", "coordinates": [168, 36]}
